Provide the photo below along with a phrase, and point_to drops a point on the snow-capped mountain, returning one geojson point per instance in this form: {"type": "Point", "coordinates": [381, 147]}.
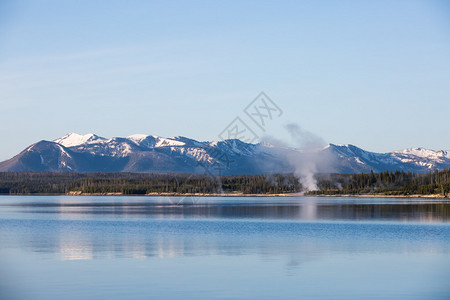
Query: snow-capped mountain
{"type": "Point", "coordinates": [74, 139]}
{"type": "Point", "coordinates": [149, 153]}
{"type": "Point", "coordinates": [351, 159]}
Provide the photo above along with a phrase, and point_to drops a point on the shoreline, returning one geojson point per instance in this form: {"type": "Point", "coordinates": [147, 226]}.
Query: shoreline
{"type": "Point", "coordinates": [435, 196]}
{"type": "Point", "coordinates": [77, 193]}
{"type": "Point", "coordinates": [184, 195]}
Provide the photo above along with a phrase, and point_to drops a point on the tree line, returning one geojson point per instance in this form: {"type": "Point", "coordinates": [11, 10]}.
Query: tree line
{"type": "Point", "coordinates": [140, 183]}
{"type": "Point", "coordinates": [388, 182]}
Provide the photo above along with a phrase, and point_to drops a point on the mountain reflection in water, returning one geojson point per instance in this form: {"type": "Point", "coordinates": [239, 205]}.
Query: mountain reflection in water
{"type": "Point", "coordinates": [301, 208]}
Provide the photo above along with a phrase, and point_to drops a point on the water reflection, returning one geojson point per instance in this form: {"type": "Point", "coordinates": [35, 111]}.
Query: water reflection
{"type": "Point", "coordinates": [86, 240]}
{"type": "Point", "coordinates": [302, 209]}
{"type": "Point", "coordinates": [87, 247]}
{"type": "Point", "coordinates": [73, 247]}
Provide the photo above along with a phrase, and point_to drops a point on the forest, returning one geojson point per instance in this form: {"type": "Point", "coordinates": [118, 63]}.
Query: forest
{"type": "Point", "coordinates": [142, 183]}
{"type": "Point", "coordinates": [397, 183]}
{"type": "Point", "coordinates": [388, 183]}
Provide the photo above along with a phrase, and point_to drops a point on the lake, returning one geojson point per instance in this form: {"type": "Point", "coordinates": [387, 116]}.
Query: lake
{"type": "Point", "coordinates": [87, 247]}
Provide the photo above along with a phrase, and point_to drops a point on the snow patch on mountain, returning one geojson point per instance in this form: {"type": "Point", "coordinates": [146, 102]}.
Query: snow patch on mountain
{"type": "Point", "coordinates": [137, 138]}
{"type": "Point", "coordinates": [165, 142]}
{"type": "Point", "coordinates": [75, 139]}
{"type": "Point", "coordinates": [424, 153]}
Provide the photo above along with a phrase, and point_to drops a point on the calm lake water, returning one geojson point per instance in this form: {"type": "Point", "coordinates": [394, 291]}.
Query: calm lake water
{"type": "Point", "coordinates": [58, 247]}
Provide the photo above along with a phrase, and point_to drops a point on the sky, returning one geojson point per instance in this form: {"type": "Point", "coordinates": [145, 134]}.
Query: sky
{"type": "Point", "coordinates": [375, 74]}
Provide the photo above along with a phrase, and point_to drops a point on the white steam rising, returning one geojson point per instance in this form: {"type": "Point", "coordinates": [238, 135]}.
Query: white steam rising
{"type": "Point", "coordinates": [307, 159]}
{"type": "Point", "coordinates": [306, 165]}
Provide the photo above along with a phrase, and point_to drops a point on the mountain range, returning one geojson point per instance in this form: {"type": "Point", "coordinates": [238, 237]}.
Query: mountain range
{"type": "Point", "coordinates": [153, 154]}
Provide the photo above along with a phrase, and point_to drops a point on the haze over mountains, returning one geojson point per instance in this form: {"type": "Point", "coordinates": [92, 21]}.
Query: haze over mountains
{"type": "Point", "coordinates": [148, 153]}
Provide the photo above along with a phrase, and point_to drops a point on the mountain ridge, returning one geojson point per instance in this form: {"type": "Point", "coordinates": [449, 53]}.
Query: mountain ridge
{"type": "Point", "coordinates": [154, 154]}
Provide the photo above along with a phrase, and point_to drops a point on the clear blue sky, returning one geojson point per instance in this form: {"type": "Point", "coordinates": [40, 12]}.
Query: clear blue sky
{"type": "Point", "coordinates": [371, 73]}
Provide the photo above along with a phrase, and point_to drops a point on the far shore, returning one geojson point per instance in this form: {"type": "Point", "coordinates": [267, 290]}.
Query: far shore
{"type": "Point", "coordinates": [435, 196]}
{"type": "Point", "coordinates": [78, 193]}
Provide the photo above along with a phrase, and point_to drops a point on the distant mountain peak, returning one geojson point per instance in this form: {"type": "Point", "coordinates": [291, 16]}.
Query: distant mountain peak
{"type": "Point", "coordinates": [424, 153]}
{"type": "Point", "coordinates": [150, 153]}
{"type": "Point", "coordinates": [74, 139]}
{"type": "Point", "coordinates": [138, 136]}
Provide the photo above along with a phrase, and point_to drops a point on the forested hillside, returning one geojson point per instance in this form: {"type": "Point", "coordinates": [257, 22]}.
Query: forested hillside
{"type": "Point", "coordinates": [390, 183]}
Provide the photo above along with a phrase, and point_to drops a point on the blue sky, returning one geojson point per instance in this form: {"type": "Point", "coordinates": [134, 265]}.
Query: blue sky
{"type": "Point", "coordinates": [375, 74]}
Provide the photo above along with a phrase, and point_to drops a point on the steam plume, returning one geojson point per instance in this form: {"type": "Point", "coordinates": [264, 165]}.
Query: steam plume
{"type": "Point", "coordinates": [306, 159]}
